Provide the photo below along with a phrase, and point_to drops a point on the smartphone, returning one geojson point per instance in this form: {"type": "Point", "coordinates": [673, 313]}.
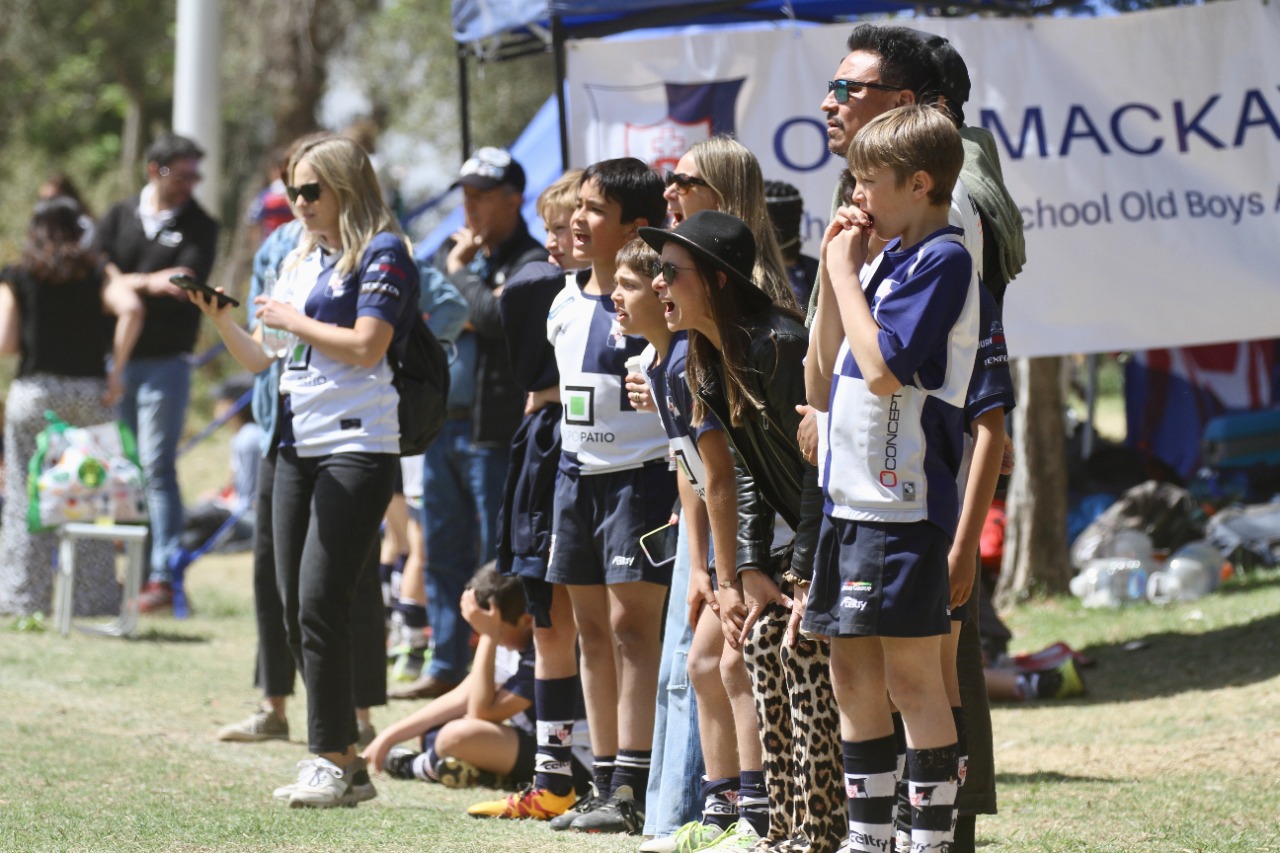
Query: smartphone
{"type": "Point", "coordinates": [659, 545]}
{"type": "Point", "coordinates": [190, 285]}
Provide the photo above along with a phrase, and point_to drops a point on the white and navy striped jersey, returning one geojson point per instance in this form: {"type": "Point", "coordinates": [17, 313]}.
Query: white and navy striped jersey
{"type": "Point", "coordinates": [670, 389]}
{"type": "Point", "coordinates": [992, 385]}
{"type": "Point", "coordinates": [331, 406]}
{"type": "Point", "coordinates": [600, 431]}
{"type": "Point", "coordinates": [896, 458]}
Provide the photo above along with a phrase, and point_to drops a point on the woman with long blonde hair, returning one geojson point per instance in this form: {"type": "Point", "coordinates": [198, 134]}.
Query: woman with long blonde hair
{"type": "Point", "coordinates": [722, 174]}
{"type": "Point", "coordinates": [349, 291]}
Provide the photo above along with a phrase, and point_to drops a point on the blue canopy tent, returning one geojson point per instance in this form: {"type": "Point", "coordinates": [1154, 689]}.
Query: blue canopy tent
{"type": "Point", "coordinates": [491, 30]}
{"type": "Point", "coordinates": [503, 29]}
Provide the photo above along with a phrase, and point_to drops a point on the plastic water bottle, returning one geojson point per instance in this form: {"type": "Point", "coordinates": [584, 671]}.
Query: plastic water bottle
{"type": "Point", "coordinates": [1111, 582]}
{"type": "Point", "coordinates": [1135, 581]}
{"type": "Point", "coordinates": [276, 342]}
{"type": "Point", "coordinates": [636, 364]}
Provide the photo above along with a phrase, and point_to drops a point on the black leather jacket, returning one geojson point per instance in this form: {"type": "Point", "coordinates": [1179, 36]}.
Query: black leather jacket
{"type": "Point", "coordinates": [772, 475]}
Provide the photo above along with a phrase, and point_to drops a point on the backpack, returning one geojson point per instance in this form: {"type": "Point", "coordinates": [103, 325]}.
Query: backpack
{"type": "Point", "coordinates": [420, 371]}
{"type": "Point", "coordinates": [1167, 514]}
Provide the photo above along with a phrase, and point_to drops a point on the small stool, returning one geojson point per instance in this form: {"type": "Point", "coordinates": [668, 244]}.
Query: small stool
{"type": "Point", "coordinates": [134, 537]}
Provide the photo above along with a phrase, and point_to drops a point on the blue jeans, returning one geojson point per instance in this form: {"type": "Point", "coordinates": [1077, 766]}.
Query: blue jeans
{"type": "Point", "coordinates": [461, 493]}
{"type": "Point", "coordinates": [676, 772]}
{"type": "Point", "coordinates": [154, 405]}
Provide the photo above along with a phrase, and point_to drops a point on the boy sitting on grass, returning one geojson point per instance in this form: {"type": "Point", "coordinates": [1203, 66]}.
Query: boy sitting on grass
{"type": "Point", "coordinates": [479, 733]}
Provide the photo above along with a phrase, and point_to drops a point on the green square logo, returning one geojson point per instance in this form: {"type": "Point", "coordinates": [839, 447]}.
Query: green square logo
{"type": "Point", "coordinates": [579, 407]}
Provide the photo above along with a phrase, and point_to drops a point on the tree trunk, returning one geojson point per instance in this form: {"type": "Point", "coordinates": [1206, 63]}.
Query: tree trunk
{"type": "Point", "coordinates": [131, 145]}
{"type": "Point", "coordinates": [1035, 545]}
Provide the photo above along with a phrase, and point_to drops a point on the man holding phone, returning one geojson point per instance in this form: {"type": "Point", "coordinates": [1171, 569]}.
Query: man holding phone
{"type": "Point", "coordinates": [160, 233]}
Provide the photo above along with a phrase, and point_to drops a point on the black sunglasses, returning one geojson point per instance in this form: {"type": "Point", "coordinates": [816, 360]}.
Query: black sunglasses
{"type": "Point", "coordinates": [845, 88]}
{"type": "Point", "coordinates": [667, 270]}
{"type": "Point", "coordinates": [309, 192]}
{"type": "Point", "coordinates": [684, 183]}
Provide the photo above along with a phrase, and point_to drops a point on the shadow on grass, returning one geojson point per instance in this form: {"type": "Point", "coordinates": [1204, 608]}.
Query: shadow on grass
{"type": "Point", "coordinates": [1043, 778]}
{"type": "Point", "coordinates": [156, 635]}
{"type": "Point", "coordinates": [1169, 663]}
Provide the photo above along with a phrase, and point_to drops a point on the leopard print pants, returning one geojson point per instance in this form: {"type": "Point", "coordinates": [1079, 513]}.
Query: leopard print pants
{"type": "Point", "coordinates": [800, 734]}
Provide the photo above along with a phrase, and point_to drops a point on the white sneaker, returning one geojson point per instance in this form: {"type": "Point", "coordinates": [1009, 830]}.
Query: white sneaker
{"type": "Point", "coordinates": [740, 836]}
{"type": "Point", "coordinates": [284, 792]}
{"type": "Point", "coordinates": [322, 785]}
{"type": "Point", "coordinates": [362, 789]}
{"type": "Point", "coordinates": [665, 844]}
{"type": "Point", "coordinates": [260, 726]}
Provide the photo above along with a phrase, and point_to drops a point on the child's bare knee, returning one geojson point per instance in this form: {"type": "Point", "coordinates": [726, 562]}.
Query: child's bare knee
{"type": "Point", "coordinates": [703, 670]}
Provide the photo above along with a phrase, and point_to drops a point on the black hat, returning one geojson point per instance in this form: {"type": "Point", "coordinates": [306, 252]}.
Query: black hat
{"type": "Point", "coordinates": [786, 208]}
{"type": "Point", "coordinates": [953, 74]}
{"type": "Point", "coordinates": [491, 167]}
{"type": "Point", "coordinates": [719, 239]}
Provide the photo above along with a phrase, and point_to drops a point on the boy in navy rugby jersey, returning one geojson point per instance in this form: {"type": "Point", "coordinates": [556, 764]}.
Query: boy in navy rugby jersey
{"type": "Point", "coordinates": [613, 487]}
{"type": "Point", "coordinates": [527, 511]}
{"type": "Point", "coordinates": [724, 713]}
{"type": "Point", "coordinates": [891, 357]}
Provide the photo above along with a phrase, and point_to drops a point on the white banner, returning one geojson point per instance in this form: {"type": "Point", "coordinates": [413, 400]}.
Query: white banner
{"type": "Point", "coordinates": [1144, 151]}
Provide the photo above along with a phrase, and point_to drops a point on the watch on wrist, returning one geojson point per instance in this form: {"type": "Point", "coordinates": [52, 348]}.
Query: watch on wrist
{"type": "Point", "coordinates": [726, 584]}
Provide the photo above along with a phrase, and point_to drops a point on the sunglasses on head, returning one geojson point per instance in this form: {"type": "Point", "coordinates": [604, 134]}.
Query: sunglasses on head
{"type": "Point", "coordinates": [844, 88]}
{"type": "Point", "coordinates": [667, 270]}
{"type": "Point", "coordinates": [184, 177]}
{"type": "Point", "coordinates": [684, 183]}
{"type": "Point", "coordinates": [309, 192]}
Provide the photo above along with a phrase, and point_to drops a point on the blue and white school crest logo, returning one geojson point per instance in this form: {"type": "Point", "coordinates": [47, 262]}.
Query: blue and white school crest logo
{"type": "Point", "coordinates": [657, 123]}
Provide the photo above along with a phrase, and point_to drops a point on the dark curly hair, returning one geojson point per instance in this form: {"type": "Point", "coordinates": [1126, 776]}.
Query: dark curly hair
{"type": "Point", "coordinates": [52, 253]}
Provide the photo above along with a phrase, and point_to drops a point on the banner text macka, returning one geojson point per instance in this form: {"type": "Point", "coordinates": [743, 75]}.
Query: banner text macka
{"type": "Point", "coordinates": [1143, 150]}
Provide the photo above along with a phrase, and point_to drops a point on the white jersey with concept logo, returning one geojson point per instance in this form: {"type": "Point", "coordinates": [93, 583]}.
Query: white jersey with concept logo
{"type": "Point", "coordinates": [601, 432]}
{"type": "Point", "coordinates": [896, 458]}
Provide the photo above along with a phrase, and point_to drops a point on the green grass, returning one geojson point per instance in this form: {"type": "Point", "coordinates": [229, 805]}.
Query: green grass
{"type": "Point", "coordinates": [109, 744]}
{"type": "Point", "coordinates": [1174, 746]}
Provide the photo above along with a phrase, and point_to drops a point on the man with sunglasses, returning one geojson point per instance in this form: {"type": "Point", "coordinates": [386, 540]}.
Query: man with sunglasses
{"type": "Point", "coordinates": [161, 232]}
{"type": "Point", "coordinates": [466, 467]}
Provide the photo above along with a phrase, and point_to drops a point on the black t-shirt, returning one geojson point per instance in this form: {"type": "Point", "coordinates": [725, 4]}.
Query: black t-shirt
{"type": "Point", "coordinates": [60, 325]}
{"type": "Point", "coordinates": [188, 240]}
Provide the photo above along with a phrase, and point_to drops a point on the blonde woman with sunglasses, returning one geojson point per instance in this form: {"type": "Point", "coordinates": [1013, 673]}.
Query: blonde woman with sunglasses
{"type": "Point", "coordinates": [352, 289]}
{"type": "Point", "coordinates": [720, 173]}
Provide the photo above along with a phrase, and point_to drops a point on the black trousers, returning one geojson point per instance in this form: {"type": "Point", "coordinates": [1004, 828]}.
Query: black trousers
{"type": "Point", "coordinates": [978, 795]}
{"type": "Point", "coordinates": [276, 670]}
{"type": "Point", "coordinates": [326, 514]}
